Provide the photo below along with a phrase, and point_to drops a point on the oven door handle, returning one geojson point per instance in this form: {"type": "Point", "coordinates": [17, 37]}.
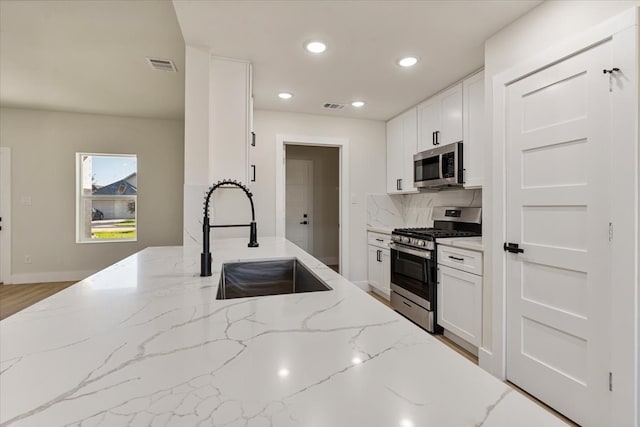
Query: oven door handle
{"type": "Point", "coordinates": [416, 252]}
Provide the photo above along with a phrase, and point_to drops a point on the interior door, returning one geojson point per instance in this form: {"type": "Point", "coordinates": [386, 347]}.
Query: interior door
{"type": "Point", "coordinates": [299, 203]}
{"type": "Point", "coordinates": [558, 288]}
{"type": "Point", "coordinates": [5, 191]}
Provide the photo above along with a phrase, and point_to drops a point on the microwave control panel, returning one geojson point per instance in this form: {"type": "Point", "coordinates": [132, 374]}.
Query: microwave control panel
{"type": "Point", "coordinates": [448, 165]}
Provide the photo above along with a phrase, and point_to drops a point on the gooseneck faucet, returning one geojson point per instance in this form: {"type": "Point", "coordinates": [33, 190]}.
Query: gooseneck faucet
{"type": "Point", "coordinates": [205, 256]}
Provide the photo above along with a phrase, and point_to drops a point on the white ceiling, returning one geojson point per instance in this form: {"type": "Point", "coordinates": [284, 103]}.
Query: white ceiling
{"type": "Point", "coordinates": [88, 56]}
{"type": "Point", "coordinates": [365, 38]}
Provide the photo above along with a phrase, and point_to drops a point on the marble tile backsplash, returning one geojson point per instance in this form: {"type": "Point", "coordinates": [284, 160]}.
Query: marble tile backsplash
{"type": "Point", "coordinates": [415, 210]}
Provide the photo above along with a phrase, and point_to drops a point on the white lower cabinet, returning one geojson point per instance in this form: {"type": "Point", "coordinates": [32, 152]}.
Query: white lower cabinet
{"type": "Point", "coordinates": [460, 295]}
{"type": "Point", "coordinates": [379, 264]}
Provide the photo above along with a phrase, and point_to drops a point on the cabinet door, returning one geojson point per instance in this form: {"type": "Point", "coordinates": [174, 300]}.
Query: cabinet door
{"type": "Point", "coordinates": [230, 96]}
{"type": "Point", "coordinates": [409, 148]}
{"type": "Point", "coordinates": [428, 123]}
{"type": "Point", "coordinates": [474, 136]}
{"type": "Point", "coordinates": [460, 303]}
{"type": "Point", "coordinates": [450, 116]}
{"type": "Point", "coordinates": [385, 278]}
{"type": "Point", "coordinates": [395, 171]}
{"type": "Point", "coordinates": [374, 267]}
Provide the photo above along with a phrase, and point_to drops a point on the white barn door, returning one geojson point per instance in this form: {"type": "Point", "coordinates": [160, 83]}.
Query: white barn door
{"type": "Point", "coordinates": [558, 198]}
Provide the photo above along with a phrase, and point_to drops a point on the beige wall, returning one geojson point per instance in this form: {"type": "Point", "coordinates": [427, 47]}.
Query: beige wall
{"type": "Point", "coordinates": [43, 146]}
{"type": "Point", "coordinates": [326, 206]}
{"type": "Point", "coordinates": [367, 139]}
{"type": "Point", "coordinates": [550, 23]}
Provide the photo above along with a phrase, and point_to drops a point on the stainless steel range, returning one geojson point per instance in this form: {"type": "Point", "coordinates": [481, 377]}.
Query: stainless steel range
{"type": "Point", "coordinates": [413, 262]}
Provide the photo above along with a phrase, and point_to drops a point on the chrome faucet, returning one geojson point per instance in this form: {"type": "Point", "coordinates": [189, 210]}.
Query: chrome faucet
{"type": "Point", "coordinates": [205, 256]}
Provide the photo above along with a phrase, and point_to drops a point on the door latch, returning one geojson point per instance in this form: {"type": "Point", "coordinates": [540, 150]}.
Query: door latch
{"type": "Point", "coordinates": [513, 248]}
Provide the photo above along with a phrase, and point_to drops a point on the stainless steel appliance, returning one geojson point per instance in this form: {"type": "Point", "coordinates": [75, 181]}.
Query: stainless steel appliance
{"type": "Point", "coordinates": [439, 167]}
{"type": "Point", "coordinates": [413, 262]}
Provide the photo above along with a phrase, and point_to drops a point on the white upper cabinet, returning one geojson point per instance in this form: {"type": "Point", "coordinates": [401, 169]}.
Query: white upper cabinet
{"type": "Point", "coordinates": [440, 119]}
{"type": "Point", "coordinates": [401, 146]}
{"type": "Point", "coordinates": [230, 104]}
{"type": "Point", "coordinates": [474, 130]}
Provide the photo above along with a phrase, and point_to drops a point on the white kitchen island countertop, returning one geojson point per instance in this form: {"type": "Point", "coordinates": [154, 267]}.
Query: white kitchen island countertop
{"type": "Point", "coordinates": [145, 342]}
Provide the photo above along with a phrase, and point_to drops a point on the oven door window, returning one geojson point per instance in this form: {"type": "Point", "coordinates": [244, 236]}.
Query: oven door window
{"type": "Point", "coordinates": [427, 169]}
{"type": "Point", "coordinates": [411, 273]}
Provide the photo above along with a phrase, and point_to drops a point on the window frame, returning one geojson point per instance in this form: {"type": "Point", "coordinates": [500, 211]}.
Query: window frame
{"type": "Point", "coordinates": [81, 199]}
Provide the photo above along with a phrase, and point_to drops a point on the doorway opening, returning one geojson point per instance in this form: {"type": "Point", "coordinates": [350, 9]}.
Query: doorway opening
{"type": "Point", "coordinates": [312, 200]}
{"type": "Point", "coordinates": [342, 147]}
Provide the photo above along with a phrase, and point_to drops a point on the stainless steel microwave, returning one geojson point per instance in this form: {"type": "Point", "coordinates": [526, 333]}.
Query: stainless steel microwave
{"type": "Point", "coordinates": [439, 167]}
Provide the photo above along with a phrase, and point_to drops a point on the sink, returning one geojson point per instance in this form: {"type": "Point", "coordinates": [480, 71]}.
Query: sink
{"type": "Point", "coordinates": [267, 277]}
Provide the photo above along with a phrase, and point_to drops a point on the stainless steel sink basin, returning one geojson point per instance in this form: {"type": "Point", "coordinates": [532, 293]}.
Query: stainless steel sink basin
{"type": "Point", "coordinates": [267, 277]}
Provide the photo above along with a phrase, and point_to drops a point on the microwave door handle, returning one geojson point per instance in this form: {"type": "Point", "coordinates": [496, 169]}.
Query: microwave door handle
{"type": "Point", "coordinates": [442, 165]}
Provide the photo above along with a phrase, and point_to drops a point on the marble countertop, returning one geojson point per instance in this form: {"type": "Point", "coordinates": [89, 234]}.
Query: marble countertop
{"type": "Point", "coordinates": [380, 229]}
{"type": "Point", "coordinates": [471, 243]}
{"type": "Point", "coordinates": [145, 342]}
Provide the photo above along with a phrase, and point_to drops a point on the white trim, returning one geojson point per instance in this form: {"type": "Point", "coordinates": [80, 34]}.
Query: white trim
{"type": "Point", "coordinates": [343, 145]}
{"type": "Point", "coordinates": [54, 276]}
{"type": "Point", "coordinates": [625, 394]}
{"type": "Point", "coordinates": [5, 212]}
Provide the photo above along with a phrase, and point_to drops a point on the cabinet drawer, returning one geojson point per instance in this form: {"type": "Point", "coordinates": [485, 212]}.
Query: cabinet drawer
{"type": "Point", "coordinates": [461, 259]}
{"type": "Point", "coordinates": [378, 239]}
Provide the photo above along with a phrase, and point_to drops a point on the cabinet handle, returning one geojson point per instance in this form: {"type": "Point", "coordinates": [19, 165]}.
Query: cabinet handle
{"type": "Point", "coordinates": [433, 138]}
{"type": "Point", "coordinates": [253, 170]}
{"type": "Point", "coordinates": [437, 137]}
{"type": "Point", "coordinates": [456, 258]}
{"type": "Point", "coordinates": [379, 240]}
{"type": "Point", "coordinates": [253, 139]}
{"type": "Point", "coordinates": [400, 185]}
{"type": "Point", "coordinates": [378, 255]}
{"type": "Point", "coordinates": [397, 184]}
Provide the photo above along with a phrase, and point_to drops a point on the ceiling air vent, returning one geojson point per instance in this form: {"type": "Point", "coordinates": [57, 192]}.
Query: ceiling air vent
{"type": "Point", "coordinates": [333, 106]}
{"type": "Point", "coordinates": [162, 64]}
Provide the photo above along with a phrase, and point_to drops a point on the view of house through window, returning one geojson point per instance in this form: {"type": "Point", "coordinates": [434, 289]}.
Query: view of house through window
{"type": "Point", "coordinates": [107, 197]}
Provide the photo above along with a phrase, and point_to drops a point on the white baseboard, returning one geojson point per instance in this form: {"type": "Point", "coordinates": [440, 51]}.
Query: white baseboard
{"type": "Point", "coordinates": [332, 260]}
{"type": "Point", "coordinates": [54, 276]}
{"type": "Point", "coordinates": [362, 284]}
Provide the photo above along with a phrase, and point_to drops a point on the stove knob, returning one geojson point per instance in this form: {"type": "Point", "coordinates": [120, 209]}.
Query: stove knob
{"type": "Point", "coordinates": [421, 243]}
{"type": "Point", "coordinates": [405, 240]}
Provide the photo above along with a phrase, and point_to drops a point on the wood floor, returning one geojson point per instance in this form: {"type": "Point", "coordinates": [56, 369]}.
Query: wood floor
{"type": "Point", "coordinates": [14, 298]}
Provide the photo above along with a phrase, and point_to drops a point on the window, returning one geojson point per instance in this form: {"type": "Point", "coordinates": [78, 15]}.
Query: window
{"type": "Point", "coordinates": [107, 193]}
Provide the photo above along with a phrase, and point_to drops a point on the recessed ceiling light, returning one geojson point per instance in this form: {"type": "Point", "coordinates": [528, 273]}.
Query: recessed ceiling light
{"type": "Point", "coordinates": [357, 104]}
{"type": "Point", "coordinates": [409, 61]}
{"type": "Point", "coordinates": [285, 95]}
{"type": "Point", "coordinates": [316, 47]}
